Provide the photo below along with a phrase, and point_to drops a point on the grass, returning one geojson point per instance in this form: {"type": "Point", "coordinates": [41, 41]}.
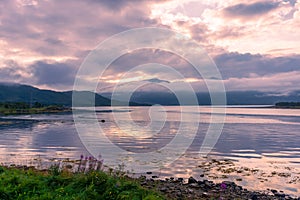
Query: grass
{"type": "Point", "coordinates": [46, 109]}
{"type": "Point", "coordinates": [29, 183]}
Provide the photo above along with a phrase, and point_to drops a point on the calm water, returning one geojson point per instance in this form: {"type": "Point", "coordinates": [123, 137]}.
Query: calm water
{"type": "Point", "coordinates": [267, 141]}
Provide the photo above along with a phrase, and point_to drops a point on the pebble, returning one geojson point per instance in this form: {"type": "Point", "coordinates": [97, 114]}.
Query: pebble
{"type": "Point", "coordinates": [253, 197]}
{"type": "Point", "coordinates": [192, 180]}
{"type": "Point", "coordinates": [180, 179]}
{"type": "Point", "coordinates": [239, 187]}
{"type": "Point", "coordinates": [143, 183]}
{"type": "Point", "coordinates": [176, 189]}
{"type": "Point", "coordinates": [207, 183]}
{"type": "Point", "coordinates": [205, 194]}
{"type": "Point", "coordinates": [194, 185]}
{"type": "Point", "coordinates": [179, 194]}
{"type": "Point", "coordinates": [279, 195]}
{"type": "Point", "coordinates": [190, 190]}
{"type": "Point", "coordinates": [274, 191]}
{"type": "Point", "coordinates": [229, 183]}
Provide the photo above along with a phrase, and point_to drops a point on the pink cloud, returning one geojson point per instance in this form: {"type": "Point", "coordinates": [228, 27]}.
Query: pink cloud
{"type": "Point", "coordinates": [281, 82]}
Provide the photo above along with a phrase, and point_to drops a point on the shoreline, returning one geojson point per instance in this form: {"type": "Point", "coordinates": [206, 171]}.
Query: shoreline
{"type": "Point", "coordinates": [207, 189]}
{"type": "Point", "coordinates": [212, 172]}
{"type": "Point", "coordinates": [171, 188]}
{"type": "Point", "coordinates": [45, 110]}
{"type": "Point", "coordinates": [58, 109]}
{"type": "Point", "coordinates": [220, 169]}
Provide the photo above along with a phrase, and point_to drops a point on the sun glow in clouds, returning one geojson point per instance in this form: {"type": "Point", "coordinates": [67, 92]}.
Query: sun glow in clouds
{"type": "Point", "coordinates": [254, 33]}
{"type": "Point", "coordinates": [244, 36]}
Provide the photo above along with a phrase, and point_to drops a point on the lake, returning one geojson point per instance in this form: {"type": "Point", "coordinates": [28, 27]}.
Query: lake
{"type": "Point", "coordinates": [258, 148]}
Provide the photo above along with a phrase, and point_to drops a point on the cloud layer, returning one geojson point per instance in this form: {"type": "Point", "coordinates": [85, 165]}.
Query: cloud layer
{"type": "Point", "coordinates": [248, 10]}
{"type": "Point", "coordinates": [255, 44]}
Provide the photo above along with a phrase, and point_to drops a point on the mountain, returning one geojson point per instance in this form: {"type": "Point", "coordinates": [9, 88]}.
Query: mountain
{"type": "Point", "coordinates": [233, 98]}
{"type": "Point", "coordinates": [10, 92]}
{"type": "Point", "coordinates": [28, 94]}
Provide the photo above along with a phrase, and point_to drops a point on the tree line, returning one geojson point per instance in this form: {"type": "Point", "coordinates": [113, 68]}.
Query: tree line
{"type": "Point", "coordinates": [285, 104]}
{"type": "Point", "coordinates": [20, 105]}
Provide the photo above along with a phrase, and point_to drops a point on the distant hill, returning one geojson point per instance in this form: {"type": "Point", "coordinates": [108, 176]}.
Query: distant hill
{"type": "Point", "coordinates": [28, 94]}
{"type": "Point", "coordinates": [233, 98]}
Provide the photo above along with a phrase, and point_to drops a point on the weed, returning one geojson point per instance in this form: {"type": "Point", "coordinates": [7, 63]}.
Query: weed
{"type": "Point", "coordinates": [55, 183]}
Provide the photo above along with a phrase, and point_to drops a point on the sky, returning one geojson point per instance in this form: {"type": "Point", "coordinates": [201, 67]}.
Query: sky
{"type": "Point", "coordinates": [254, 44]}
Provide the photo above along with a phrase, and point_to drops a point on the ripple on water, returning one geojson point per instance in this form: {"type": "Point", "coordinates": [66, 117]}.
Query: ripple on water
{"type": "Point", "coordinates": [263, 139]}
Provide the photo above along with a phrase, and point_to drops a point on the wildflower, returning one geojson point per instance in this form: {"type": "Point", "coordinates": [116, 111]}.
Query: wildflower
{"type": "Point", "coordinates": [223, 186]}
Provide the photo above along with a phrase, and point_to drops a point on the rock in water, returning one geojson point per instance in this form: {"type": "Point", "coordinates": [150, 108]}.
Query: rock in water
{"type": "Point", "coordinates": [192, 180]}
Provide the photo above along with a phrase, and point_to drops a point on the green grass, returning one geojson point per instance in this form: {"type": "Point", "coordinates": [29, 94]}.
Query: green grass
{"type": "Point", "coordinates": [46, 109]}
{"type": "Point", "coordinates": [54, 184]}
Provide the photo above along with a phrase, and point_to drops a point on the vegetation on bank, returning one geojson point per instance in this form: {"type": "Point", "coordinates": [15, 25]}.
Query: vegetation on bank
{"type": "Point", "coordinates": [29, 183]}
{"type": "Point", "coordinates": [288, 105]}
{"type": "Point", "coordinates": [9, 108]}
{"type": "Point", "coordinates": [88, 178]}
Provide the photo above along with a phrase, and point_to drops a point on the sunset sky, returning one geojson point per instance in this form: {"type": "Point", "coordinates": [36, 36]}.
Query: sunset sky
{"type": "Point", "coordinates": [255, 44]}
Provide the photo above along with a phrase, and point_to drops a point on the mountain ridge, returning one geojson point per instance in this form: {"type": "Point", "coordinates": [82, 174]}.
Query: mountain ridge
{"type": "Point", "coordinates": [13, 92]}
{"type": "Point", "coordinates": [232, 98]}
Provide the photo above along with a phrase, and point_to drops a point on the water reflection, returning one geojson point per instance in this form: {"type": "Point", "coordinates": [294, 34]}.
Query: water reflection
{"type": "Point", "coordinates": [23, 139]}
{"type": "Point", "coordinates": [264, 139]}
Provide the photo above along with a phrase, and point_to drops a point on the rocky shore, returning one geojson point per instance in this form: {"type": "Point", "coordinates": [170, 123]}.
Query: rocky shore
{"type": "Point", "coordinates": [191, 188]}
{"type": "Point", "coordinates": [183, 189]}
{"type": "Point", "coordinates": [195, 189]}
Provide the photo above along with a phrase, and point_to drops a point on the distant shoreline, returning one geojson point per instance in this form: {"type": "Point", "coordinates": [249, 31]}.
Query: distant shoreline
{"type": "Point", "coordinates": [39, 110]}
{"type": "Point", "coordinates": [288, 105]}
{"type": "Point", "coordinates": [52, 109]}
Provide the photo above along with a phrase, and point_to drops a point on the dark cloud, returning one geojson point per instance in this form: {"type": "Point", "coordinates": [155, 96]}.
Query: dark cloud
{"type": "Point", "coordinates": [53, 74]}
{"type": "Point", "coordinates": [239, 71]}
{"type": "Point", "coordinates": [64, 27]}
{"type": "Point", "coordinates": [246, 65]}
{"type": "Point", "coordinates": [143, 56]}
{"type": "Point", "coordinates": [292, 2]}
{"type": "Point", "coordinates": [248, 10]}
{"type": "Point", "coordinates": [119, 4]}
{"type": "Point", "coordinates": [156, 80]}
{"type": "Point", "coordinates": [230, 32]}
{"type": "Point", "coordinates": [200, 32]}
{"type": "Point", "coordinates": [53, 41]}
{"type": "Point", "coordinates": [11, 71]}
{"type": "Point", "coordinates": [113, 4]}
{"type": "Point", "coordinates": [58, 30]}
